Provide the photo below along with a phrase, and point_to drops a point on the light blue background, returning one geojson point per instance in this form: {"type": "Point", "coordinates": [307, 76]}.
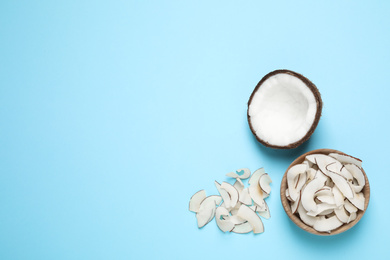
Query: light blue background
{"type": "Point", "coordinates": [113, 113]}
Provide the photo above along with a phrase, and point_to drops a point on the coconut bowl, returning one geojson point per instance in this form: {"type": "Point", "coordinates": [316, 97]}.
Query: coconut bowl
{"type": "Point", "coordinates": [295, 217]}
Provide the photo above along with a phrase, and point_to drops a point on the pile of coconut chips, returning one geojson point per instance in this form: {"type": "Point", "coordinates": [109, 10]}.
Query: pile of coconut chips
{"type": "Point", "coordinates": [241, 206]}
{"type": "Point", "coordinates": [326, 190]}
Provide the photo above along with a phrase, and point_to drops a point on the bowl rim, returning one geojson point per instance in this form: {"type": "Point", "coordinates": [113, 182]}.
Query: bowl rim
{"type": "Point", "coordinates": [297, 221]}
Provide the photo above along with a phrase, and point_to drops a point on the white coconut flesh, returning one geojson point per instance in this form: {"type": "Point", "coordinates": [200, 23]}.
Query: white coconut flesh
{"type": "Point", "coordinates": [338, 197]}
{"type": "Point", "coordinates": [224, 194]}
{"type": "Point", "coordinates": [206, 212]}
{"type": "Point", "coordinates": [264, 183]}
{"type": "Point", "coordinates": [296, 178]}
{"type": "Point", "coordinates": [244, 197]}
{"type": "Point", "coordinates": [242, 206]}
{"type": "Point", "coordinates": [265, 213]}
{"type": "Point", "coordinates": [330, 197]}
{"type": "Point", "coordinates": [295, 204]}
{"type": "Point", "coordinates": [242, 228]}
{"type": "Point", "coordinates": [324, 224]}
{"type": "Point", "coordinates": [222, 218]}
{"type": "Point", "coordinates": [239, 185]}
{"type": "Point", "coordinates": [282, 110]}
{"type": "Point", "coordinates": [253, 219]}
{"type": "Point", "coordinates": [357, 174]}
{"type": "Point", "coordinates": [196, 199]}
{"type": "Point", "coordinates": [255, 190]}
{"type": "Point", "coordinates": [232, 193]}
{"type": "Point", "coordinates": [350, 207]}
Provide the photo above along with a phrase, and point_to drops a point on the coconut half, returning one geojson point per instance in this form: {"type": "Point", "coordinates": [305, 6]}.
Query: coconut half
{"type": "Point", "coordinates": [284, 109]}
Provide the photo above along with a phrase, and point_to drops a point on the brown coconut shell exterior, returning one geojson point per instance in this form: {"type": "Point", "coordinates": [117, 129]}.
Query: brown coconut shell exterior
{"type": "Point", "coordinates": [295, 217]}
{"type": "Point", "coordinates": [317, 96]}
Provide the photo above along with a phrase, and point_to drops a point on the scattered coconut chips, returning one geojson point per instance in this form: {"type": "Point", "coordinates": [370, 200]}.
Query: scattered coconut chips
{"type": "Point", "coordinates": [242, 206]}
{"type": "Point", "coordinates": [326, 190]}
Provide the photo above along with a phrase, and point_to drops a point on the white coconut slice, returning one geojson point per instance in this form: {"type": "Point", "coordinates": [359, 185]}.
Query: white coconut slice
{"type": "Point", "coordinates": [325, 191]}
{"type": "Point", "coordinates": [358, 200]}
{"type": "Point", "coordinates": [243, 173]}
{"type": "Point", "coordinates": [244, 197]}
{"type": "Point", "coordinates": [357, 174]}
{"type": "Point", "coordinates": [323, 161]}
{"type": "Point", "coordinates": [342, 214]}
{"type": "Point", "coordinates": [262, 211]}
{"type": "Point", "coordinates": [342, 184]}
{"type": "Point", "coordinates": [309, 164]}
{"type": "Point", "coordinates": [265, 213]}
{"type": "Point", "coordinates": [238, 185]}
{"type": "Point", "coordinates": [310, 173]}
{"type": "Point", "coordinates": [284, 109]}
{"type": "Point", "coordinates": [312, 159]}
{"type": "Point", "coordinates": [308, 220]}
{"type": "Point", "coordinates": [206, 211]}
{"type": "Point", "coordinates": [236, 220]}
{"type": "Point", "coordinates": [334, 168]}
{"type": "Point", "coordinates": [217, 199]}
{"type": "Point", "coordinates": [233, 193]}
{"type": "Point", "coordinates": [327, 212]}
{"type": "Point", "coordinates": [234, 210]}
{"type": "Point", "coordinates": [257, 195]}
{"type": "Point", "coordinates": [253, 207]}
{"type": "Point", "coordinates": [254, 220]}
{"type": "Point", "coordinates": [295, 204]}
{"type": "Point", "coordinates": [242, 228]}
{"type": "Point", "coordinates": [346, 174]}
{"type": "Point", "coordinates": [322, 209]}
{"type": "Point", "coordinates": [264, 183]}
{"type": "Point", "coordinates": [324, 224]}
{"type": "Point", "coordinates": [319, 175]}
{"type": "Point", "coordinates": [260, 206]}
{"type": "Point", "coordinates": [196, 199]}
{"type": "Point", "coordinates": [338, 196]}
{"type": "Point", "coordinates": [224, 194]}
{"type": "Point", "coordinates": [255, 190]}
{"type": "Point", "coordinates": [223, 220]}
{"type": "Point", "coordinates": [347, 159]}
{"type": "Point", "coordinates": [326, 199]}
{"type": "Point", "coordinates": [352, 217]}
{"type": "Point", "coordinates": [288, 195]}
{"type": "Point", "coordinates": [256, 176]}
{"type": "Point", "coordinates": [350, 207]}
{"type": "Point", "coordinates": [302, 179]}
{"type": "Point", "coordinates": [307, 198]}
{"type": "Point", "coordinates": [294, 175]}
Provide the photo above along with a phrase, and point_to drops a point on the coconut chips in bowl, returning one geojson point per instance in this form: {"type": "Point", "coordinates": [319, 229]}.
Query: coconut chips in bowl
{"type": "Point", "coordinates": [325, 192]}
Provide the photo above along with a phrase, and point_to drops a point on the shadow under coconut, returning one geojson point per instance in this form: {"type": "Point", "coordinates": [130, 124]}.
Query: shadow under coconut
{"type": "Point", "coordinates": [287, 155]}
